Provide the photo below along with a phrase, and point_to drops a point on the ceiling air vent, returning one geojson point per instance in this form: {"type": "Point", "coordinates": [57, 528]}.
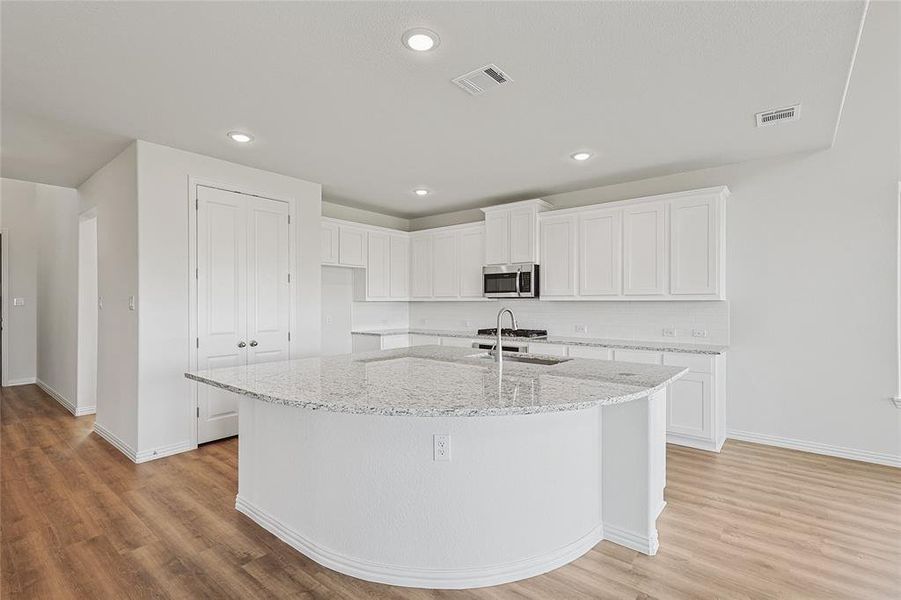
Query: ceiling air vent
{"type": "Point", "coordinates": [481, 80]}
{"type": "Point", "coordinates": [779, 115]}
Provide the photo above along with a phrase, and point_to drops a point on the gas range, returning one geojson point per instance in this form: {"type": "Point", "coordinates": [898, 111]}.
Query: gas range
{"type": "Point", "coordinates": [507, 332]}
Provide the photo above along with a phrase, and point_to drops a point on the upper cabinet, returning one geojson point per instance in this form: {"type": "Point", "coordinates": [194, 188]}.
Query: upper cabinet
{"type": "Point", "coordinates": [667, 247]}
{"type": "Point", "coordinates": [447, 263]}
{"type": "Point", "coordinates": [644, 249]}
{"type": "Point", "coordinates": [471, 252]}
{"type": "Point", "coordinates": [511, 232]}
{"type": "Point", "coordinates": [695, 252]}
{"type": "Point", "coordinates": [329, 238]}
{"type": "Point", "coordinates": [342, 244]}
{"type": "Point", "coordinates": [421, 267]}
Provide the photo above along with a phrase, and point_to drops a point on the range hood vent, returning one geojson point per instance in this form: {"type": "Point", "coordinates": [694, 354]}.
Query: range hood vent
{"type": "Point", "coordinates": [778, 115]}
{"type": "Point", "coordinates": [483, 79]}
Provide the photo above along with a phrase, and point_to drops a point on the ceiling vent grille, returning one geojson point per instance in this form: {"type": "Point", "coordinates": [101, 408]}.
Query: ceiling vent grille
{"type": "Point", "coordinates": [779, 115]}
{"type": "Point", "coordinates": [481, 80]}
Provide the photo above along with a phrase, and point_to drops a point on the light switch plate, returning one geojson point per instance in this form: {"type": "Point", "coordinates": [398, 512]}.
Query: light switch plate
{"type": "Point", "coordinates": [581, 328]}
{"type": "Point", "coordinates": [669, 332]}
{"type": "Point", "coordinates": [699, 333]}
{"type": "Point", "coordinates": [18, 301]}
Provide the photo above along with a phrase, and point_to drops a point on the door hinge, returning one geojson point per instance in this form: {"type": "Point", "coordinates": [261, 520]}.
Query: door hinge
{"type": "Point", "coordinates": [289, 336]}
{"type": "Point", "coordinates": [197, 342]}
{"type": "Point", "coordinates": [198, 412]}
{"type": "Point", "coordinates": [197, 273]}
{"type": "Point", "coordinates": [289, 219]}
{"type": "Point", "coordinates": [289, 277]}
{"type": "Point", "coordinates": [196, 203]}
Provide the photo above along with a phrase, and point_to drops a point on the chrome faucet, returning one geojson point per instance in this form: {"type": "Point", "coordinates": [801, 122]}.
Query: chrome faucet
{"type": "Point", "coordinates": [499, 347]}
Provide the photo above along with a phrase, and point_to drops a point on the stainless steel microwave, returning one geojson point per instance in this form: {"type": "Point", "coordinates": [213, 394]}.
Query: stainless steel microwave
{"type": "Point", "coordinates": [518, 280]}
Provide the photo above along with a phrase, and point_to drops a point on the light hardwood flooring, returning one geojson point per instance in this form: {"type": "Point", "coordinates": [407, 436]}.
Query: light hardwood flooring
{"type": "Point", "coordinates": [79, 520]}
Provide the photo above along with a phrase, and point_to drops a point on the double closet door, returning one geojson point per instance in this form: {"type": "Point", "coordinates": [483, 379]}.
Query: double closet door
{"type": "Point", "coordinates": [243, 294]}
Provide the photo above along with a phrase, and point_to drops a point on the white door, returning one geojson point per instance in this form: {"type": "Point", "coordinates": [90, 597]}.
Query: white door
{"type": "Point", "coordinates": [399, 267]}
{"type": "Point", "coordinates": [644, 251]}
{"type": "Point", "coordinates": [421, 267]}
{"type": "Point", "coordinates": [522, 235]}
{"type": "Point", "coordinates": [377, 265]}
{"type": "Point", "coordinates": [445, 282]}
{"type": "Point", "coordinates": [600, 253]}
{"type": "Point", "coordinates": [693, 245]}
{"type": "Point", "coordinates": [472, 252]}
{"type": "Point", "coordinates": [243, 299]}
{"type": "Point", "coordinates": [497, 238]}
{"type": "Point", "coordinates": [558, 256]}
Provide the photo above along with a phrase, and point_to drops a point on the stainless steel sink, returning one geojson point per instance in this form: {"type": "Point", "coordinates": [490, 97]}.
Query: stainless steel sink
{"type": "Point", "coordinates": [532, 360]}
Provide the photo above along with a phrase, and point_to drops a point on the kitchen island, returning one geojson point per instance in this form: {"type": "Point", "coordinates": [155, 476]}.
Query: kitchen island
{"type": "Point", "coordinates": [430, 467]}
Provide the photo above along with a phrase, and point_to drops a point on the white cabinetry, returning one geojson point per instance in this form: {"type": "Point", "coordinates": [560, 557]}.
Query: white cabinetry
{"type": "Point", "coordinates": [558, 256]}
{"type": "Point", "coordinates": [445, 278]}
{"type": "Point", "coordinates": [694, 245]}
{"type": "Point", "coordinates": [387, 271]}
{"type": "Point", "coordinates": [668, 247]}
{"type": "Point", "coordinates": [644, 249]}
{"type": "Point", "coordinates": [421, 267]}
{"type": "Point", "coordinates": [696, 407]}
{"type": "Point", "coordinates": [471, 254]}
{"type": "Point", "coordinates": [377, 271]}
{"type": "Point", "coordinates": [511, 232]}
{"type": "Point", "coordinates": [399, 267]}
{"type": "Point", "coordinates": [600, 253]}
{"type": "Point", "coordinates": [329, 237]}
{"type": "Point", "coordinates": [446, 263]}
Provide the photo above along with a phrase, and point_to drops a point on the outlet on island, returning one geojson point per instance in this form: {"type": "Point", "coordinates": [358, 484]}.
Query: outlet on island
{"type": "Point", "coordinates": [442, 449]}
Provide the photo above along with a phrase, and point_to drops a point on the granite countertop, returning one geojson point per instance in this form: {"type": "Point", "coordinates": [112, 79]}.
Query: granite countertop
{"type": "Point", "coordinates": [432, 381]}
{"type": "Point", "coordinates": [654, 346]}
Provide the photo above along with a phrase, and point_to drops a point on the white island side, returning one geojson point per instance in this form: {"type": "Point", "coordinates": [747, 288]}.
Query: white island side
{"type": "Point", "coordinates": [337, 458]}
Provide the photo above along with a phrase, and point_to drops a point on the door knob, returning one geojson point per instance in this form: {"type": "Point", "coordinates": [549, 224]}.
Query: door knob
{"type": "Point", "coordinates": [253, 343]}
{"type": "Point", "coordinates": [241, 344]}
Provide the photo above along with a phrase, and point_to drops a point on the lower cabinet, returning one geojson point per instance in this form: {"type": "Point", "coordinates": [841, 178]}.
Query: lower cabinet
{"type": "Point", "coordinates": [361, 342]}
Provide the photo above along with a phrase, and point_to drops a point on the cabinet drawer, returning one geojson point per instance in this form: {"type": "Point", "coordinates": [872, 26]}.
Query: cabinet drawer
{"type": "Point", "coordinates": [638, 356]}
{"type": "Point", "coordinates": [698, 363]}
{"type": "Point", "coordinates": [549, 349]}
{"type": "Point", "coordinates": [389, 342]}
{"type": "Point", "coordinates": [424, 340]}
{"type": "Point", "coordinates": [590, 352]}
{"type": "Point", "coordinates": [457, 342]}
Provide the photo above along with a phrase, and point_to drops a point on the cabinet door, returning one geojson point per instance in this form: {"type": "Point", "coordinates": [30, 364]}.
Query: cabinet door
{"type": "Point", "coordinates": [522, 235]}
{"type": "Point", "coordinates": [399, 267]}
{"type": "Point", "coordinates": [644, 250]}
{"type": "Point", "coordinates": [693, 245]}
{"type": "Point", "coordinates": [377, 265]}
{"type": "Point", "coordinates": [351, 246]}
{"type": "Point", "coordinates": [689, 409]}
{"type": "Point", "coordinates": [421, 267]}
{"type": "Point", "coordinates": [472, 253]}
{"type": "Point", "coordinates": [638, 356]}
{"type": "Point", "coordinates": [547, 349]}
{"type": "Point", "coordinates": [417, 339]}
{"type": "Point", "coordinates": [497, 238]}
{"type": "Point", "coordinates": [329, 243]}
{"type": "Point", "coordinates": [558, 256]}
{"type": "Point", "coordinates": [445, 275]}
{"type": "Point", "coordinates": [600, 253]}
{"type": "Point", "coordinates": [591, 352]}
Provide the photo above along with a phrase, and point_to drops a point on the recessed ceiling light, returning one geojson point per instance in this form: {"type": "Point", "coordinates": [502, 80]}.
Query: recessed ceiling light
{"type": "Point", "coordinates": [421, 192]}
{"type": "Point", "coordinates": [580, 156]}
{"type": "Point", "coordinates": [240, 137]}
{"type": "Point", "coordinates": [420, 39]}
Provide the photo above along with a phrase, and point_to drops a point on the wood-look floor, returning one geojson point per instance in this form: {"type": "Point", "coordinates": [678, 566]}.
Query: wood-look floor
{"type": "Point", "coordinates": [79, 520]}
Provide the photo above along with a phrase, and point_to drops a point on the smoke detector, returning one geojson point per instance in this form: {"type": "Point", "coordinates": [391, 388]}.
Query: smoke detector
{"type": "Point", "coordinates": [778, 115]}
{"type": "Point", "coordinates": [481, 80]}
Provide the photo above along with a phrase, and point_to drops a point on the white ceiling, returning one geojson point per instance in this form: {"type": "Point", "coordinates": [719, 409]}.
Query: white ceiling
{"type": "Point", "coordinates": [333, 97]}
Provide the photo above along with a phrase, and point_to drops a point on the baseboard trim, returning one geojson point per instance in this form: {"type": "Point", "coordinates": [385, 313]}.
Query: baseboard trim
{"type": "Point", "coordinates": [22, 381]}
{"type": "Point", "coordinates": [878, 458]}
{"type": "Point", "coordinates": [420, 578]}
{"type": "Point", "coordinates": [642, 543]}
{"type": "Point", "coordinates": [65, 402]}
{"type": "Point", "coordinates": [690, 442]}
{"type": "Point", "coordinates": [163, 451]}
{"type": "Point", "coordinates": [114, 440]}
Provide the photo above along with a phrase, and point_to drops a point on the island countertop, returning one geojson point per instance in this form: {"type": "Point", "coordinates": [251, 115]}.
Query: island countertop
{"type": "Point", "coordinates": [434, 381]}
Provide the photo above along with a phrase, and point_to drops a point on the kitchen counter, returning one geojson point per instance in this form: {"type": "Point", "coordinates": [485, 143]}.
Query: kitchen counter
{"type": "Point", "coordinates": [650, 345]}
{"type": "Point", "coordinates": [433, 381]}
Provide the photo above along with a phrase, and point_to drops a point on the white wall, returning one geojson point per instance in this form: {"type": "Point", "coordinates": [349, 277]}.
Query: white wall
{"type": "Point", "coordinates": [626, 320]}
{"type": "Point", "coordinates": [163, 301]}
{"type": "Point", "coordinates": [19, 218]}
{"type": "Point", "coordinates": [57, 290]}
{"type": "Point", "coordinates": [337, 302]}
{"type": "Point", "coordinates": [113, 191]}
{"type": "Point", "coordinates": [87, 314]}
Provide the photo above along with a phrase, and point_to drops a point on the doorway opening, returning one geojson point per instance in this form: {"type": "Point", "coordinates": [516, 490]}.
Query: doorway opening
{"type": "Point", "coordinates": [4, 308]}
{"type": "Point", "coordinates": [88, 314]}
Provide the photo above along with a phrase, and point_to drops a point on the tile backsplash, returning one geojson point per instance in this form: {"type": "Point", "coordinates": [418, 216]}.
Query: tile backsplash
{"type": "Point", "coordinates": [628, 320]}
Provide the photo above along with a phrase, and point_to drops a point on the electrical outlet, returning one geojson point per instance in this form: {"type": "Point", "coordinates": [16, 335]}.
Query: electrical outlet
{"type": "Point", "coordinates": [329, 320]}
{"type": "Point", "coordinates": [467, 324]}
{"type": "Point", "coordinates": [442, 448]}
{"type": "Point", "coordinates": [669, 332]}
{"type": "Point", "coordinates": [701, 333]}
{"type": "Point", "coordinates": [18, 301]}
{"type": "Point", "coordinates": [581, 328]}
